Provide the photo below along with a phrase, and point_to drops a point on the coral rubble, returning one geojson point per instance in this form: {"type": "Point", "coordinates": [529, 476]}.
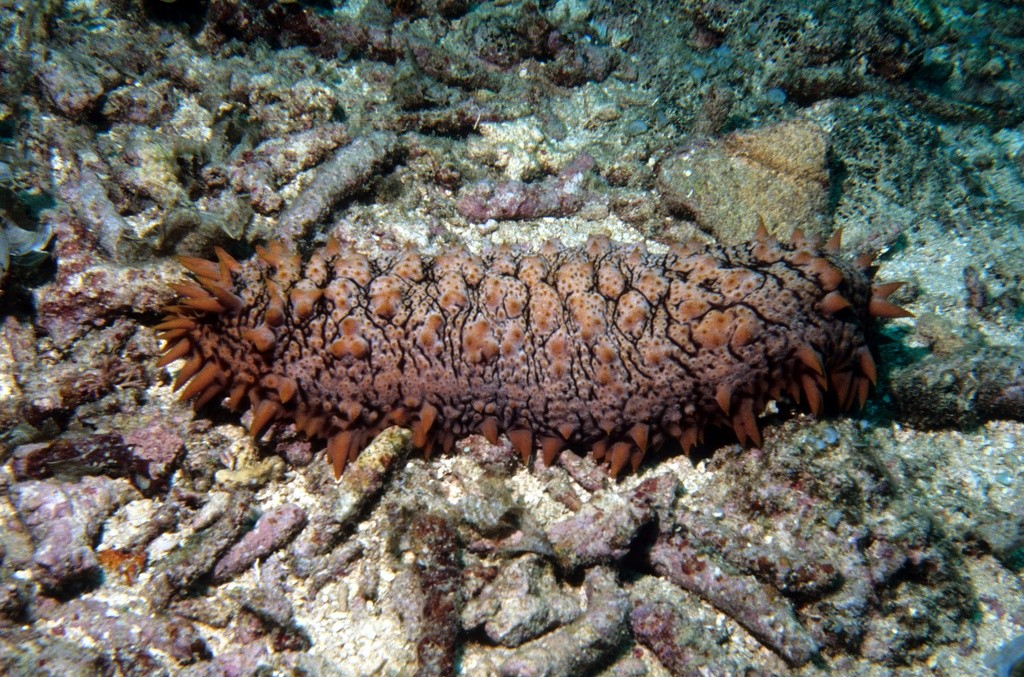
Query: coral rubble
{"type": "Point", "coordinates": [137, 537]}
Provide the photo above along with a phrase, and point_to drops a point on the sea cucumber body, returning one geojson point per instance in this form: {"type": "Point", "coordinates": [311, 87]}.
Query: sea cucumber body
{"type": "Point", "coordinates": [606, 348]}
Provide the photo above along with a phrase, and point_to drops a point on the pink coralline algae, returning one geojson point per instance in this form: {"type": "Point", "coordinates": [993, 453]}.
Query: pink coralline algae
{"type": "Point", "coordinates": [561, 195]}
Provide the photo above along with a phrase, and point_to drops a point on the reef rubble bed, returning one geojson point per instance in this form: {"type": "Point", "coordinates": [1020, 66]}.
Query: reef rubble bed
{"type": "Point", "coordinates": [140, 537]}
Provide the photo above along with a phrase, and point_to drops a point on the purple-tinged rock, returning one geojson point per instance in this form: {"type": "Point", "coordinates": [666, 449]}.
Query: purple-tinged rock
{"type": "Point", "coordinates": [584, 645]}
{"type": "Point", "coordinates": [500, 458]}
{"type": "Point", "coordinates": [346, 498]}
{"type": "Point", "coordinates": [585, 472]}
{"type": "Point", "coordinates": [579, 64]}
{"type": "Point", "coordinates": [24, 650]}
{"type": "Point", "coordinates": [64, 519]}
{"type": "Point", "coordinates": [155, 449]}
{"type": "Point", "coordinates": [273, 529]}
{"type": "Point", "coordinates": [561, 195]}
{"type": "Point", "coordinates": [325, 36]}
{"type": "Point", "coordinates": [134, 641]}
{"type": "Point", "coordinates": [439, 576]}
{"type": "Point", "coordinates": [297, 453]}
{"type": "Point", "coordinates": [88, 291]}
{"type": "Point", "coordinates": [236, 661]}
{"type": "Point", "coordinates": [196, 556]}
{"type": "Point", "coordinates": [602, 531]}
{"type": "Point", "coordinates": [273, 619]}
{"type": "Point", "coordinates": [342, 176]}
{"type": "Point", "coordinates": [145, 456]}
{"type": "Point", "coordinates": [89, 201]}
{"type": "Point", "coordinates": [73, 88]}
{"type": "Point", "coordinates": [277, 161]}
{"type": "Point", "coordinates": [685, 634]}
{"type": "Point", "coordinates": [335, 565]}
{"type": "Point", "coordinates": [521, 603]}
{"type": "Point", "coordinates": [142, 104]}
{"type": "Point", "coordinates": [16, 592]}
{"type": "Point", "coordinates": [488, 507]}
{"type": "Point", "coordinates": [35, 461]}
{"type": "Point", "coordinates": [800, 570]}
{"type": "Point", "coordinates": [758, 607]}
{"type": "Point", "coordinates": [459, 118]}
{"type": "Point", "coordinates": [659, 627]}
{"type": "Point", "coordinates": [962, 389]}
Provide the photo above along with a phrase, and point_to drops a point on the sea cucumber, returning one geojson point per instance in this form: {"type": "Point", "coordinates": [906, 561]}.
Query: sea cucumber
{"type": "Point", "coordinates": [607, 348]}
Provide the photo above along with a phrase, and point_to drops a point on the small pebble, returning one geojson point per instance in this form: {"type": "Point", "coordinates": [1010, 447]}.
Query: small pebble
{"type": "Point", "coordinates": [1004, 478]}
{"type": "Point", "coordinates": [637, 127]}
{"type": "Point", "coordinates": [775, 96]}
{"type": "Point", "coordinates": [833, 518]}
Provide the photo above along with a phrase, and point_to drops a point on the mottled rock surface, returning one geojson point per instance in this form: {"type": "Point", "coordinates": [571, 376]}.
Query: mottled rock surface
{"type": "Point", "coordinates": [887, 539]}
{"type": "Point", "coordinates": [64, 519]}
{"type": "Point", "coordinates": [775, 175]}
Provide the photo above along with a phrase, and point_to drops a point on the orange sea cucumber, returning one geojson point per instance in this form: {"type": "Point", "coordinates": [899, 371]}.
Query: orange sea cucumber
{"type": "Point", "coordinates": [606, 348]}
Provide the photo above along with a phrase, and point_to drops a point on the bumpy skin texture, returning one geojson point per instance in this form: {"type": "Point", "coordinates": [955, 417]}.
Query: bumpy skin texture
{"type": "Point", "coordinates": [607, 348]}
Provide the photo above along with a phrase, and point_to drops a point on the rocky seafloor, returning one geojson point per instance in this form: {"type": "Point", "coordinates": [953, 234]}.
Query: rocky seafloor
{"type": "Point", "coordinates": [140, 538]}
